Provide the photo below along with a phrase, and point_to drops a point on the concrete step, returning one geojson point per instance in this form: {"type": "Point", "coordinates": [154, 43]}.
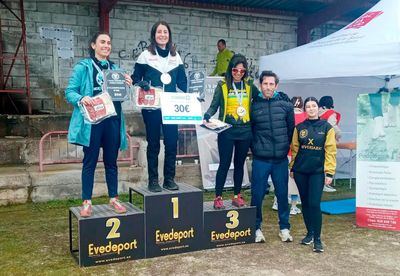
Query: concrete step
{"type": "Point", "coordinates": [20, 184]}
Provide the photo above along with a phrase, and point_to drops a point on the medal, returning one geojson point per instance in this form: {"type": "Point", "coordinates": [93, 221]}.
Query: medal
{"type": "Point", "coordinates": [241, 111]}
{"type": "Point", "coordinates": [165, 78]}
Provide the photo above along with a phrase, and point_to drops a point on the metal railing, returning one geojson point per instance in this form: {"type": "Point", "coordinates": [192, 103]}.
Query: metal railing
{"type": "Point", "coordinates": [61, 152]}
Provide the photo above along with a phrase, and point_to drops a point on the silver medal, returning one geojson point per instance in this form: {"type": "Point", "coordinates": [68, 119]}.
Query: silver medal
{"type": "Point", "coordinates": [241, 111]}
{"type": "Point", "coordinates": [165, 78]}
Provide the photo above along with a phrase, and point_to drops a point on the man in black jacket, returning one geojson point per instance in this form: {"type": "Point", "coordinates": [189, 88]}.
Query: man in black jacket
{"type": "Point", "coordinates": [272, 118]}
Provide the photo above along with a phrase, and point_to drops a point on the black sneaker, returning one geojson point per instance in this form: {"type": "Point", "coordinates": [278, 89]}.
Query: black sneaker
{"type": "Point", "coordinates": [318, 248]}
{"type": "Point", "coordinates": [170, 185]}
{"type": "Point", "coordinates": [154, 186]}
{"type": "Point", "coordinates": [308, 239]}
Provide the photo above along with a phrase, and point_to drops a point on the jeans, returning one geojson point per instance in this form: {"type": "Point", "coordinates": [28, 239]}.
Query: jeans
{"type": "Point", "coordinates": [261, 170]}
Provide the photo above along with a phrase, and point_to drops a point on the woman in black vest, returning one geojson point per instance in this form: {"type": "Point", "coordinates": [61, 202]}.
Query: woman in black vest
{"type": "Point", "coordinates": [313, 165]}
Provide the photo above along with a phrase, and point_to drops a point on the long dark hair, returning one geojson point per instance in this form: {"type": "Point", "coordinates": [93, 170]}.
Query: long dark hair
{"type": "Point", "coordinates": [170, 45]}
{"type": "Point", "coordinates": [235, 60]}
{"type": "Point", "coordinates": [310, 99]}
{"type": "Point", "coordinates": [93, 40]}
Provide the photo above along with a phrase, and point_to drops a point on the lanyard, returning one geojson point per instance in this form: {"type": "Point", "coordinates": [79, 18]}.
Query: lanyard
{"type": "Point", "coordinates": [98, 68]}
{"type": "Point", "coordinates": [240, 99]}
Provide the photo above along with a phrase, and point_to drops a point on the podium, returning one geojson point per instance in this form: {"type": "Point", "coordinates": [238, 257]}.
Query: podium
{"type": "Point", "coordinates": [168, 222]}
{"type": "Point", "coordinates": [106, 236]}
{"type": "Point", "coordinates": [229, 226]}
{"type": "Point", "coordinates": [173, 219]}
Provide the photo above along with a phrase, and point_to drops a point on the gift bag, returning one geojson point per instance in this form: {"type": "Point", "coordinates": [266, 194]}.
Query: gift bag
{"type": "Point", "coordinates": [101, 109]}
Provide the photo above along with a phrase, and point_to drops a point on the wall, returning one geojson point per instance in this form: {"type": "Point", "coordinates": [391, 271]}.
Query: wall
{"type": "Point", "coordinates": [196, 33]}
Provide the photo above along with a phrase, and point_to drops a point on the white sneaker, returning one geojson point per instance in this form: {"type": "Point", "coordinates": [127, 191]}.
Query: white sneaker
{"type": "Point", "coordinates": [275, 205]}
{"type": "Point", "coordinates": [285, 236]}
{"type": "Point", "coordinates": [259, 236]}
{"type": "Point", "coordinates": [294, 210]}
{"type": "Point", "coordinates": [329, 189]}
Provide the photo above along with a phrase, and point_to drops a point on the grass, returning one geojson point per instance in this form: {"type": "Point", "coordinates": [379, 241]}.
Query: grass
{"type": "Point", "coordinates": [34, 236]}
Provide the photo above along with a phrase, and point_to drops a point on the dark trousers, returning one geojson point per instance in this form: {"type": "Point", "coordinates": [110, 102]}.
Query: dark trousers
{"type": "Point", "coordinates": [310, 189]}
{"type": "Point", "coordinates": [153, 122]}
{"type": "Point", "coordinates": [261, 170]}
{"type": "Point", "coordinates": [225, 150]}
{"type": "Point", "coordinates": [106, 134]}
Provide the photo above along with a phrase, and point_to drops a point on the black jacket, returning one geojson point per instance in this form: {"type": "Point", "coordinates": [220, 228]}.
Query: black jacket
{"type": "Point", "coordinates": [272, 125]}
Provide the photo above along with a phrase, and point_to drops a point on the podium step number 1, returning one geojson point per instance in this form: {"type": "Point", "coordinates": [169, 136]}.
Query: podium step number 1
{"type": "Point", "coordinates": [173, 219]}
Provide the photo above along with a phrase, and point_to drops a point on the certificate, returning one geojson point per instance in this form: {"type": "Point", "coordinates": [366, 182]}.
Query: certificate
{"type": "Point", "coordinates": [181, 108]}
{"type": "Point", "coordinates": [115, 85]}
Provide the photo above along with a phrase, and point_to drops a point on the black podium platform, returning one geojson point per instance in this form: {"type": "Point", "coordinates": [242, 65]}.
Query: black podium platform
{"type": "Point", "coordinates": [106, 236]}
{"type": "Point", "coordinates": [229, 226]}
{"type": "Point", "coordinates": [173, 219]}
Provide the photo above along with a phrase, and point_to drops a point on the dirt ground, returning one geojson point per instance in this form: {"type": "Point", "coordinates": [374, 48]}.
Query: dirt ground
{"type": "Point", "coordinates": [34, 240]}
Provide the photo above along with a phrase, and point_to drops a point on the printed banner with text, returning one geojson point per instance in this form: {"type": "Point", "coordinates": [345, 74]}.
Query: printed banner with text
{"type": "Point", "coordinates": [378, 161]}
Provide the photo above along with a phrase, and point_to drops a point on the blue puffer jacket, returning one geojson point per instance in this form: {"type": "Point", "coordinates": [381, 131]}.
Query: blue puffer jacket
{"type": "Point", "coordinates": [81, 84]}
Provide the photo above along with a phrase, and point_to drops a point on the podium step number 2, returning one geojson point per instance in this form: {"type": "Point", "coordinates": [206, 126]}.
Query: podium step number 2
{"type": "Point", "coordinates": [107, 237]}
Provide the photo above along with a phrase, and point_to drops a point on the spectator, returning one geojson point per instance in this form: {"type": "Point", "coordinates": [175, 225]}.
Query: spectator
{"type": "Point", "coordinates": [313, 166]}
{"type": "Point", "coordinates": [223, 57]}
{"type": "Point", "coordinates": [272, 118]}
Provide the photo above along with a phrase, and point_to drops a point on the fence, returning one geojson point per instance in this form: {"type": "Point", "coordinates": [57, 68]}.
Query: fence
{"type": "Point", "coordinates": [55, 149]}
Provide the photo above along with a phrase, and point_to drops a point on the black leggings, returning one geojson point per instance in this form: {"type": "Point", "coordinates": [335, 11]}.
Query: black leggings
{"type": "Point", "coordinates": [310, 189]}
{"type": "Point", "coordinates": [225, 149]}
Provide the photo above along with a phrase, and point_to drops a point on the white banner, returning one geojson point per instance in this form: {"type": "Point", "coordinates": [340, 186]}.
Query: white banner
{"type": "Point", "coordinates": [378, 161]}
{"type": "Point", "coordinates": [208, 148]}
{"type": "Point", "coordinates": [181, 108]}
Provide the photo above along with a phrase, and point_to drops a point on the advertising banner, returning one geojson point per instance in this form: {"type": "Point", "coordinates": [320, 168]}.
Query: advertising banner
{"type": "Point", "coordinates": [208, 148]}
{"type": "Point", "coordinates": [378, 161]}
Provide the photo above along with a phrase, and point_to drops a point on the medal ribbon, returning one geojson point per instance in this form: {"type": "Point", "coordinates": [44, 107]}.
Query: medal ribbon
{"type": "Point", "coordinates": [240, 99]}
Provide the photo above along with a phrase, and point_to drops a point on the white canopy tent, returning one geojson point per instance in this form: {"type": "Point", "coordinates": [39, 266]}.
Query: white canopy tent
{"type": "Point", "coordinates": [351, 61]}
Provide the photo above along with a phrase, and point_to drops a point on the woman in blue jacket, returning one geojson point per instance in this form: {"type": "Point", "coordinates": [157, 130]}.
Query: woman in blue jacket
{"type": "Point", "coordinates": [160, 66]}
{"type": "Point", "coordinates": [86, 81]}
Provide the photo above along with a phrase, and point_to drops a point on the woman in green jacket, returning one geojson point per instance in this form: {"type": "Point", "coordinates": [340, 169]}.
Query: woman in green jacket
{"type": "Point", "coordinates": [110, 134]}
{"type": "Point", "coordinates": [233, 97]}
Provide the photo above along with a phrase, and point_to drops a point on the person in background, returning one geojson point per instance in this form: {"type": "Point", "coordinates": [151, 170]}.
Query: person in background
{"type": "Point", "coordinates": [272, 119]}
{"type": "Point", "coordinates": [223, 57]}
{"type": "Point", "coordinates": [326, 112]}
{"type": "Point", "coordinates": [110, 134]}
{"type": "Point", "coordinates": [232, 97]}
{"type": "Point", "coordinates": [160, 66]}
{"type": "Point", "coordinates": [312, 166]}
{"type": "Point", "coordinates": [299, 117]}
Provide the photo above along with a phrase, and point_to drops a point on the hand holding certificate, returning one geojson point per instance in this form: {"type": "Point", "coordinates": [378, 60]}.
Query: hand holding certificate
{"type": "Point", "coordinates": [215, 125]}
